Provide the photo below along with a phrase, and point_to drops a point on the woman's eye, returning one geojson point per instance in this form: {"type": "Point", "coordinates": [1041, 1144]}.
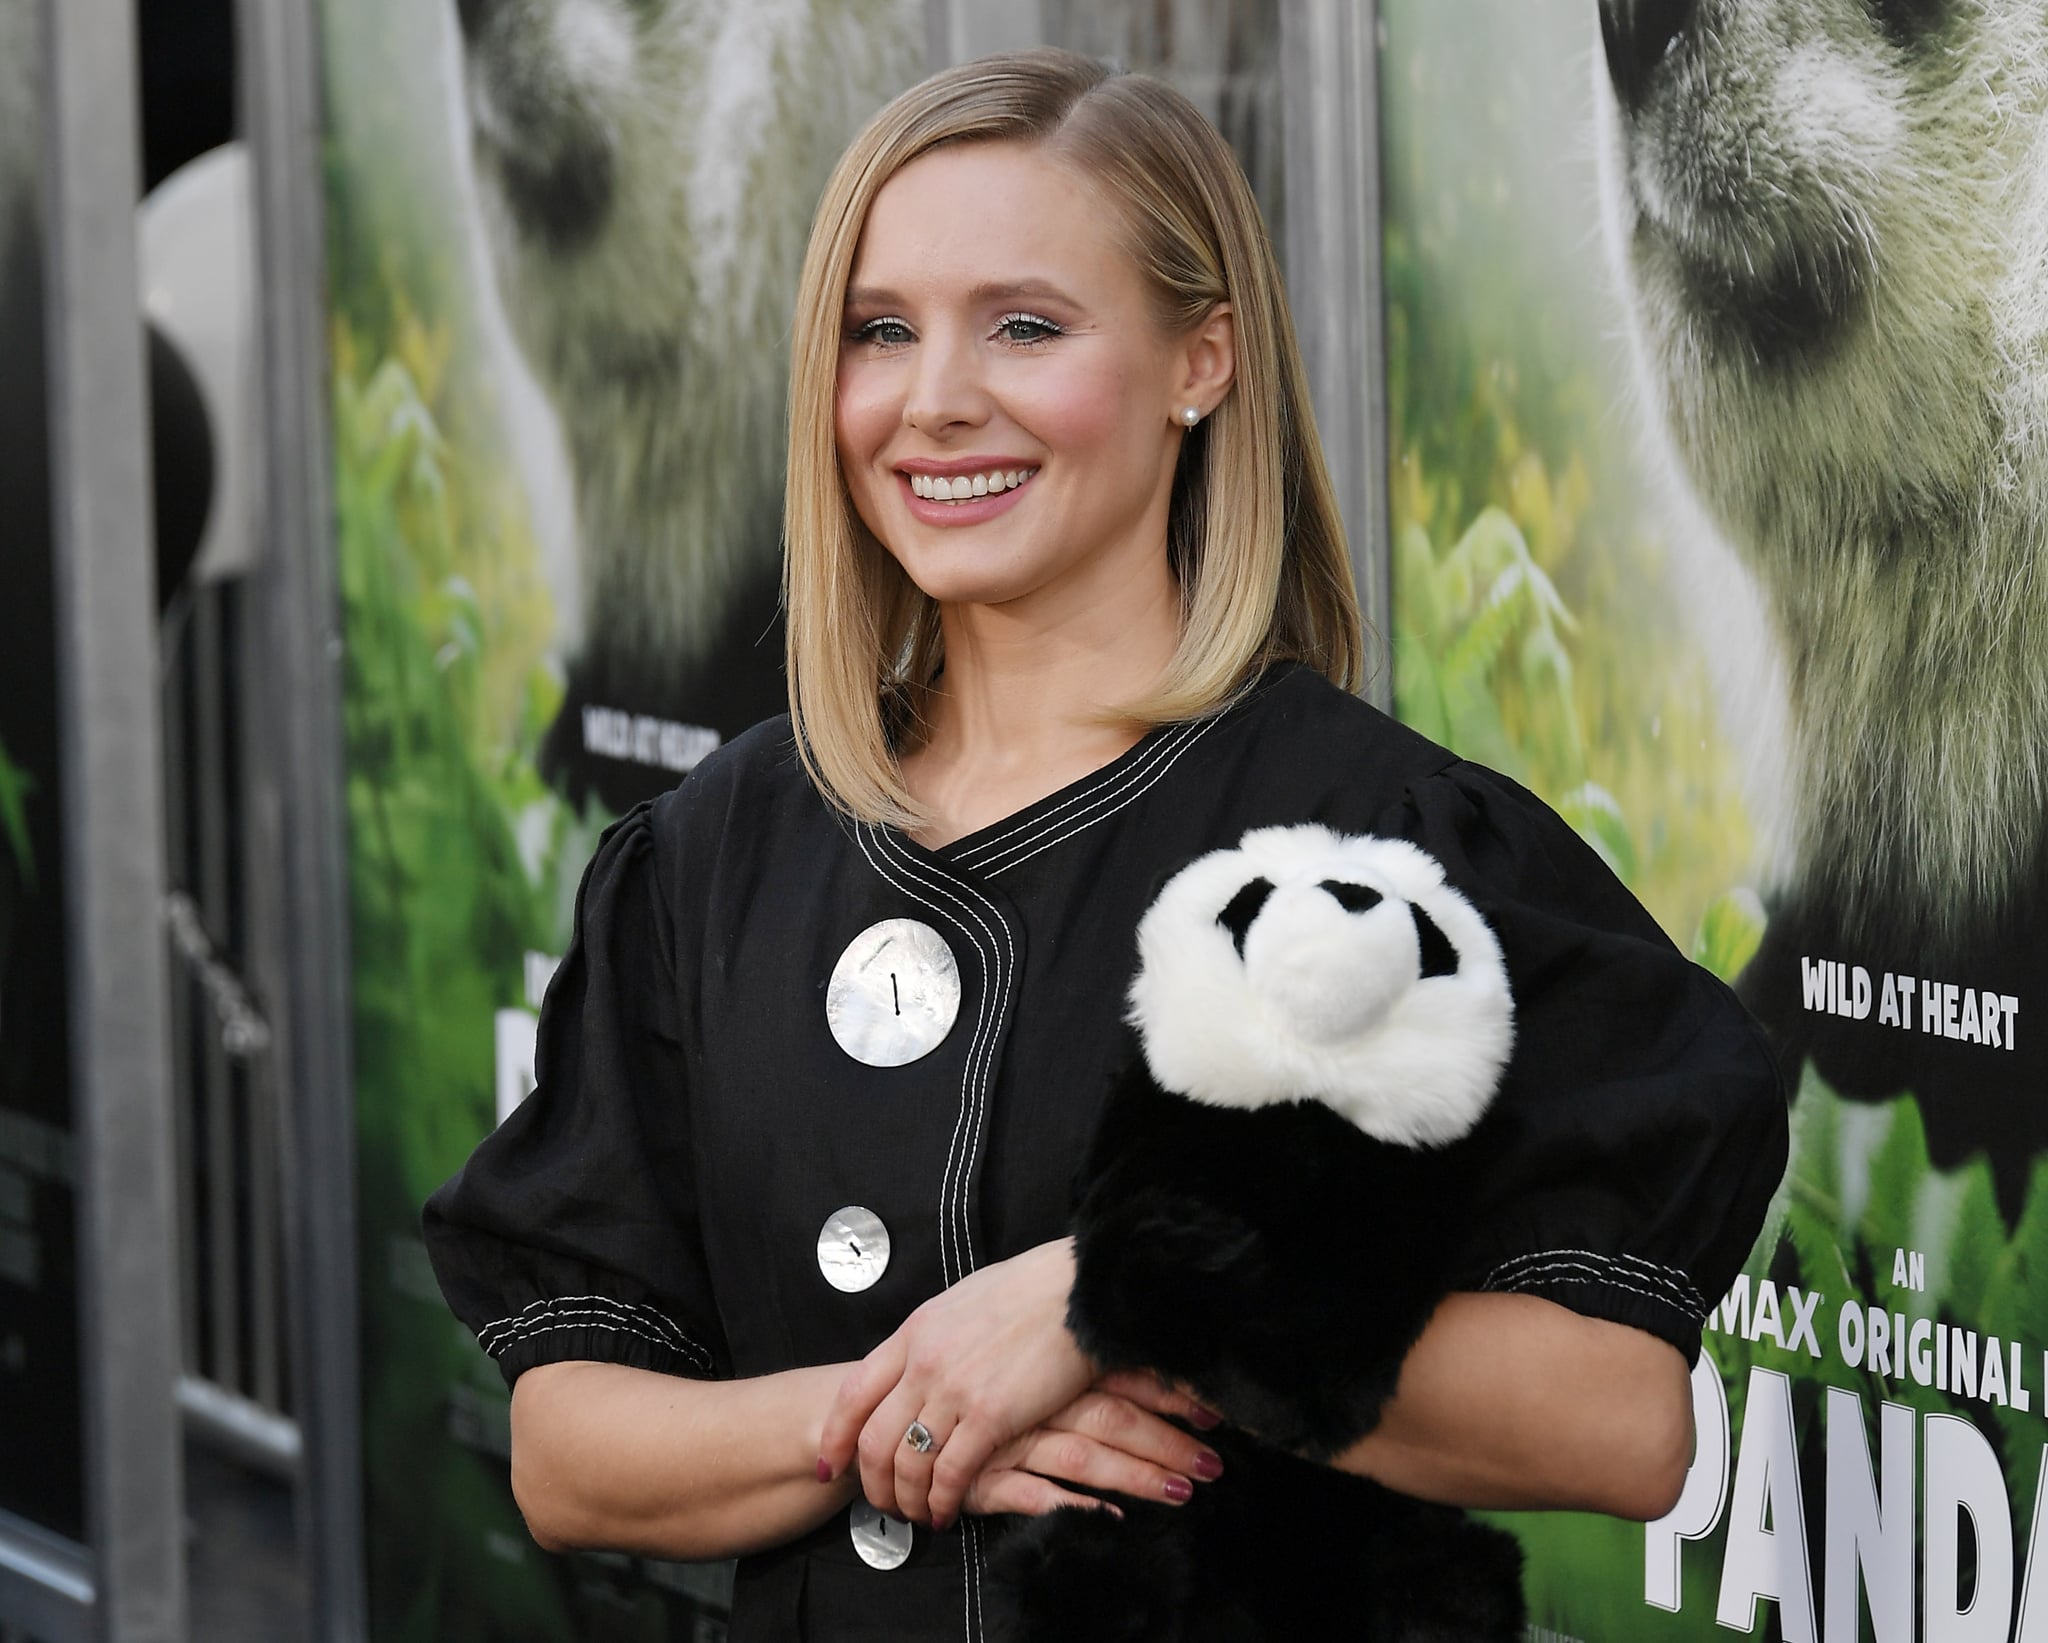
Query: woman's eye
{"type": "Point", "coordinates": [883, 333]}
{"type": "Point", "coordinates": [1026, 328]}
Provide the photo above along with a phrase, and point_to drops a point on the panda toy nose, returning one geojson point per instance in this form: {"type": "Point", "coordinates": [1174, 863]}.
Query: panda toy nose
{"type": "Point", "coordinates": [1323, 972]}
{"type": "Point", "coordinates": [1637, 34]}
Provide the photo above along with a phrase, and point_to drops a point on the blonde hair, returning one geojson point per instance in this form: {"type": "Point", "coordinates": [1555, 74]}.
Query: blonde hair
{"type": "Point", "coordinates": [1253, 535]}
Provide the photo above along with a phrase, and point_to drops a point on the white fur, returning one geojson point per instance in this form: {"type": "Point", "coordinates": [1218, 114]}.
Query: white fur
{"type": "Point", "coordinates": [1887, 493]}
{"type": "Point", "coordinates": [1325, 1005]}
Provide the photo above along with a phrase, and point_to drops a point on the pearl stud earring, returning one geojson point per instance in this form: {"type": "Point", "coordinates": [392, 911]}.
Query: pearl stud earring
{"type": "Point", "coordinates": [1190, 414]}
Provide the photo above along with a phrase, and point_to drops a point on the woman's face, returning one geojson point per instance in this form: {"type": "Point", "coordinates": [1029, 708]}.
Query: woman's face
{"type": "Point", "coordinates": [998, 340]}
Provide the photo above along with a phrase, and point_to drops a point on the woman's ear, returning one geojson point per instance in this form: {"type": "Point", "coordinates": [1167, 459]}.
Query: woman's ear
{"type": "Point", "coordinates": [1208, 359]}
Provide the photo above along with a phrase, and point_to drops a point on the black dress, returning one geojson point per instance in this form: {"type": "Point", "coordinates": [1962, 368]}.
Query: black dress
{"type": "Point", "coordinates": [658, 1201]}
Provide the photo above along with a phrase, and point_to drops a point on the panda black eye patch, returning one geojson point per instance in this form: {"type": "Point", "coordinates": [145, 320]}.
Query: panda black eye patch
{"type": "Point", "coordinates": [1242, 908]}
{"type": "Point", "coordinates": [1439, 957]}
{"type": "Point", "coordinates": [1353, 898]}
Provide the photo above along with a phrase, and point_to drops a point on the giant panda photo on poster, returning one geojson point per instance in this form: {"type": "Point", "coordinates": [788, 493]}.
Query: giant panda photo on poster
{"type": "Point", "coordinates": [1718, 351]}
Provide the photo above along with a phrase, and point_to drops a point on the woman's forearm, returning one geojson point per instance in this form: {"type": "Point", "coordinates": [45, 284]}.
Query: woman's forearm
{"type": "Point", "coordinates": [634, 1461]}
{"type": "Point", "coordinates": [1512, 1402]}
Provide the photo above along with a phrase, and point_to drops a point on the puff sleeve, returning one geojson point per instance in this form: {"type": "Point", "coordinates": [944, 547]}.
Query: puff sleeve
{"type": "Point", "coordinates": [1640, 1131]}
{"type": "Point", "coordinates": [572, 1232]}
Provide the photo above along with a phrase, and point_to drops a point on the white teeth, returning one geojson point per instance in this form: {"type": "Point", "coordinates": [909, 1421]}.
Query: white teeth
{"type": "Point", "coordinates": [938, 488]}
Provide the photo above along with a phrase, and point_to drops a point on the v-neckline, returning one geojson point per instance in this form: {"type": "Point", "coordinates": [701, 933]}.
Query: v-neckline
{"type": "Point", "coordinates": [1027, 817]}
{"type": "Point", "coordinates": [1080, 803]}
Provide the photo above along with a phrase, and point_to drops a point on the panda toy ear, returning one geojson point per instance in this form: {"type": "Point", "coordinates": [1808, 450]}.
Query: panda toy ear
{"type": "Point", "coordinates": [1439, 957]}
{"type": "Point", "coordinates": [1310, 965]}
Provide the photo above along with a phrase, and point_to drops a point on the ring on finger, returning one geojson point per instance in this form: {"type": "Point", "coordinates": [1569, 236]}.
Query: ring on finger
{"type": "Point", "coordinates": [920, 1438]}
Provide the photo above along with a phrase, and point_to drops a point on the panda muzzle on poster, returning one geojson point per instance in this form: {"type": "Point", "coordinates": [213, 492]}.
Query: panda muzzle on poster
{"type": "Point", "coordinates": [1266, 1216]}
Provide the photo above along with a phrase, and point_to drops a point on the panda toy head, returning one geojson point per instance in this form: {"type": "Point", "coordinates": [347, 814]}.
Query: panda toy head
{"type": "Point", "coordinates": [1309, 965]}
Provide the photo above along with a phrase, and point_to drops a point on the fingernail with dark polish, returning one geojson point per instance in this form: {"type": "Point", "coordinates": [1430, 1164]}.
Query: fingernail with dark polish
{"type": "Point", "coordinates": [1205, 1420]}
{"type": "Point", "coordinates": [1208, 1466]}
{"type": "Point", "coordinates": [1179, 1491]}
{"type": "Point", "coordinates": [941, 1524]}
{"type": "Point", "coordinates": [824, 1470]}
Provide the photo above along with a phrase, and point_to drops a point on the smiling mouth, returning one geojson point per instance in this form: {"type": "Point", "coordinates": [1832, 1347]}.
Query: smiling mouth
{"type": "Point", "coordinates": [967, 487]}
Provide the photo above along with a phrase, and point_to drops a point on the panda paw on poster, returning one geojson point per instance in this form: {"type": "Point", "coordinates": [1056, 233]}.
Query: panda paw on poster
{"type": "Point", "coordinates": [1267, 1216]}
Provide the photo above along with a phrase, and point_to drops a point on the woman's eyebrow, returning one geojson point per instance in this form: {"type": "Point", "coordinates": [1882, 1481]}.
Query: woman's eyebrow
{"type": "Point", "coordinates": [873, 296]}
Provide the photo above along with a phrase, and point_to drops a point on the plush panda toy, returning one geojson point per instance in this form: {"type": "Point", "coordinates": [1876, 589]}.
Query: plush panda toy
{"type": "Point", "coordinates": [1267, 1215]}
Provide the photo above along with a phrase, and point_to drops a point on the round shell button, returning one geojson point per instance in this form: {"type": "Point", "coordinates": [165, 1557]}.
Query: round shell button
{"type": "Point", "coordinates": [894, 993]}
{"type": "Point", "coordinates": [882, 1541]}
{"type": "Point", "coordinates": [853, 1249]}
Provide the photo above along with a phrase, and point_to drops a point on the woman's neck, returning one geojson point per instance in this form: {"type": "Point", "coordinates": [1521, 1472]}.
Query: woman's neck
{"type": "Point", "coordinates": [1019, 710]}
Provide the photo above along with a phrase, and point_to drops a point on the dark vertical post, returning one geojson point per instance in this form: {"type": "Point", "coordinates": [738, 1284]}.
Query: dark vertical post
{"type": "Point", "coordinates": [113, 797]}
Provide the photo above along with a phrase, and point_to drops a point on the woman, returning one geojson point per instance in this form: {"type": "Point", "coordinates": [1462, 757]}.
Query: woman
{"type": "Point", "coordinates": [777, 1264]}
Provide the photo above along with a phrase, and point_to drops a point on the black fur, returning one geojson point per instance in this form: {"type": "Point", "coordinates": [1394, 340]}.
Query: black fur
{"type": "Point", "coordinates": [1278, 1261]}
{"type": "Point", "coordinates": [1242, 908]}
{"type": "Point", "coordinates": [1278, 1548]}
{"type": "Point", "coordinates": [1281, 1263]}
{"type": "Point", "coordinates": [1439, 957]}
{"type": "Point", "coordinates": [1353, 898]}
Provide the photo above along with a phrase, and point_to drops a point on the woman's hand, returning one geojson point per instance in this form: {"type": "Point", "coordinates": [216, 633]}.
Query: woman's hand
{"type": "Point", "coordinates": [978, 1364]}
{"type": "Point", "coordinates": [1111, 1438]}
{"type": "Point", "coordinates": [983, 1366]}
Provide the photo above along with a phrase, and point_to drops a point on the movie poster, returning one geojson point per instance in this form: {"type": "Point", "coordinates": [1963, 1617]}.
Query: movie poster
{"type": "Point", "coordinates": [1719, 501]}
{"type": "Point", "coordinates": [42, 1435]}
{"type": "Point", "coordinates": [563, 241]}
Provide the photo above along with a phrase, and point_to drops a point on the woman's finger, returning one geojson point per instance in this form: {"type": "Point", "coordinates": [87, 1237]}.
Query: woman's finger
{"type": "Point", "coordinates": [914, 1465]}
{"type": "Point", "coordinates": [969, 1447]}
{"type": "Point", "coordinates": [1162, 1397]}
{"type": "Point", "coordinates": [877, 1448]}
{"type": "Point", "coordinates": [1118, 1423]}
{"type": "Point", "coordinates": [866, 1385]}
{"type": "Point", "coordinates": [1003, 1489]}
{"type": "Point", "coordinates": [1074, 1457]}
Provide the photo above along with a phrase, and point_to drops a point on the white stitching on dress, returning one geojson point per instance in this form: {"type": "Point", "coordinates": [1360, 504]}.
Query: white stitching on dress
{"type": "Point", "coordinates": [550, 1316]}
{"type": "Point", "coordinates": [539, 1327]}
{"type": "Point", "coordinates": [1180, 733]}
{"type": "Point", "coordinates": [1108, 806]}
{"type": "Point", "coordinates": [949, 1253]}
{"type": "Point", "coordinates": [1587, 1261]}
{"type": "Point", "coordinates": [1007, 975]}
{"type": "Point", "coordinates": [1578, 1272]}
{"type": "Point", "coordinates": [980, 1058]}
{"type": "Point", "coordinates": [645, 1314]}
{"type": "Point", "coordinates": [1134, 789]}
{"type": "Point", "coordinates": [1675, 1279]}
{"type": "Point", "coordinates": [997, 969]}
{"type": "Point", "coordinates": [1670, 1277]}
{"type": "Point", "coordinates": [974, 1571]}
{"type": "Point", "coordinates": [1675, 1274]}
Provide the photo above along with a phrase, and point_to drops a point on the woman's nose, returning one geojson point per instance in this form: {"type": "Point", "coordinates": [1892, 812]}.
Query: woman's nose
{"type": "Point", "coordinates": [946, 388]}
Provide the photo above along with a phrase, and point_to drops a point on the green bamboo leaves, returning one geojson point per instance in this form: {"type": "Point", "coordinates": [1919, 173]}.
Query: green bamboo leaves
{"type": "Point", "coordinates": [1477, 647]}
